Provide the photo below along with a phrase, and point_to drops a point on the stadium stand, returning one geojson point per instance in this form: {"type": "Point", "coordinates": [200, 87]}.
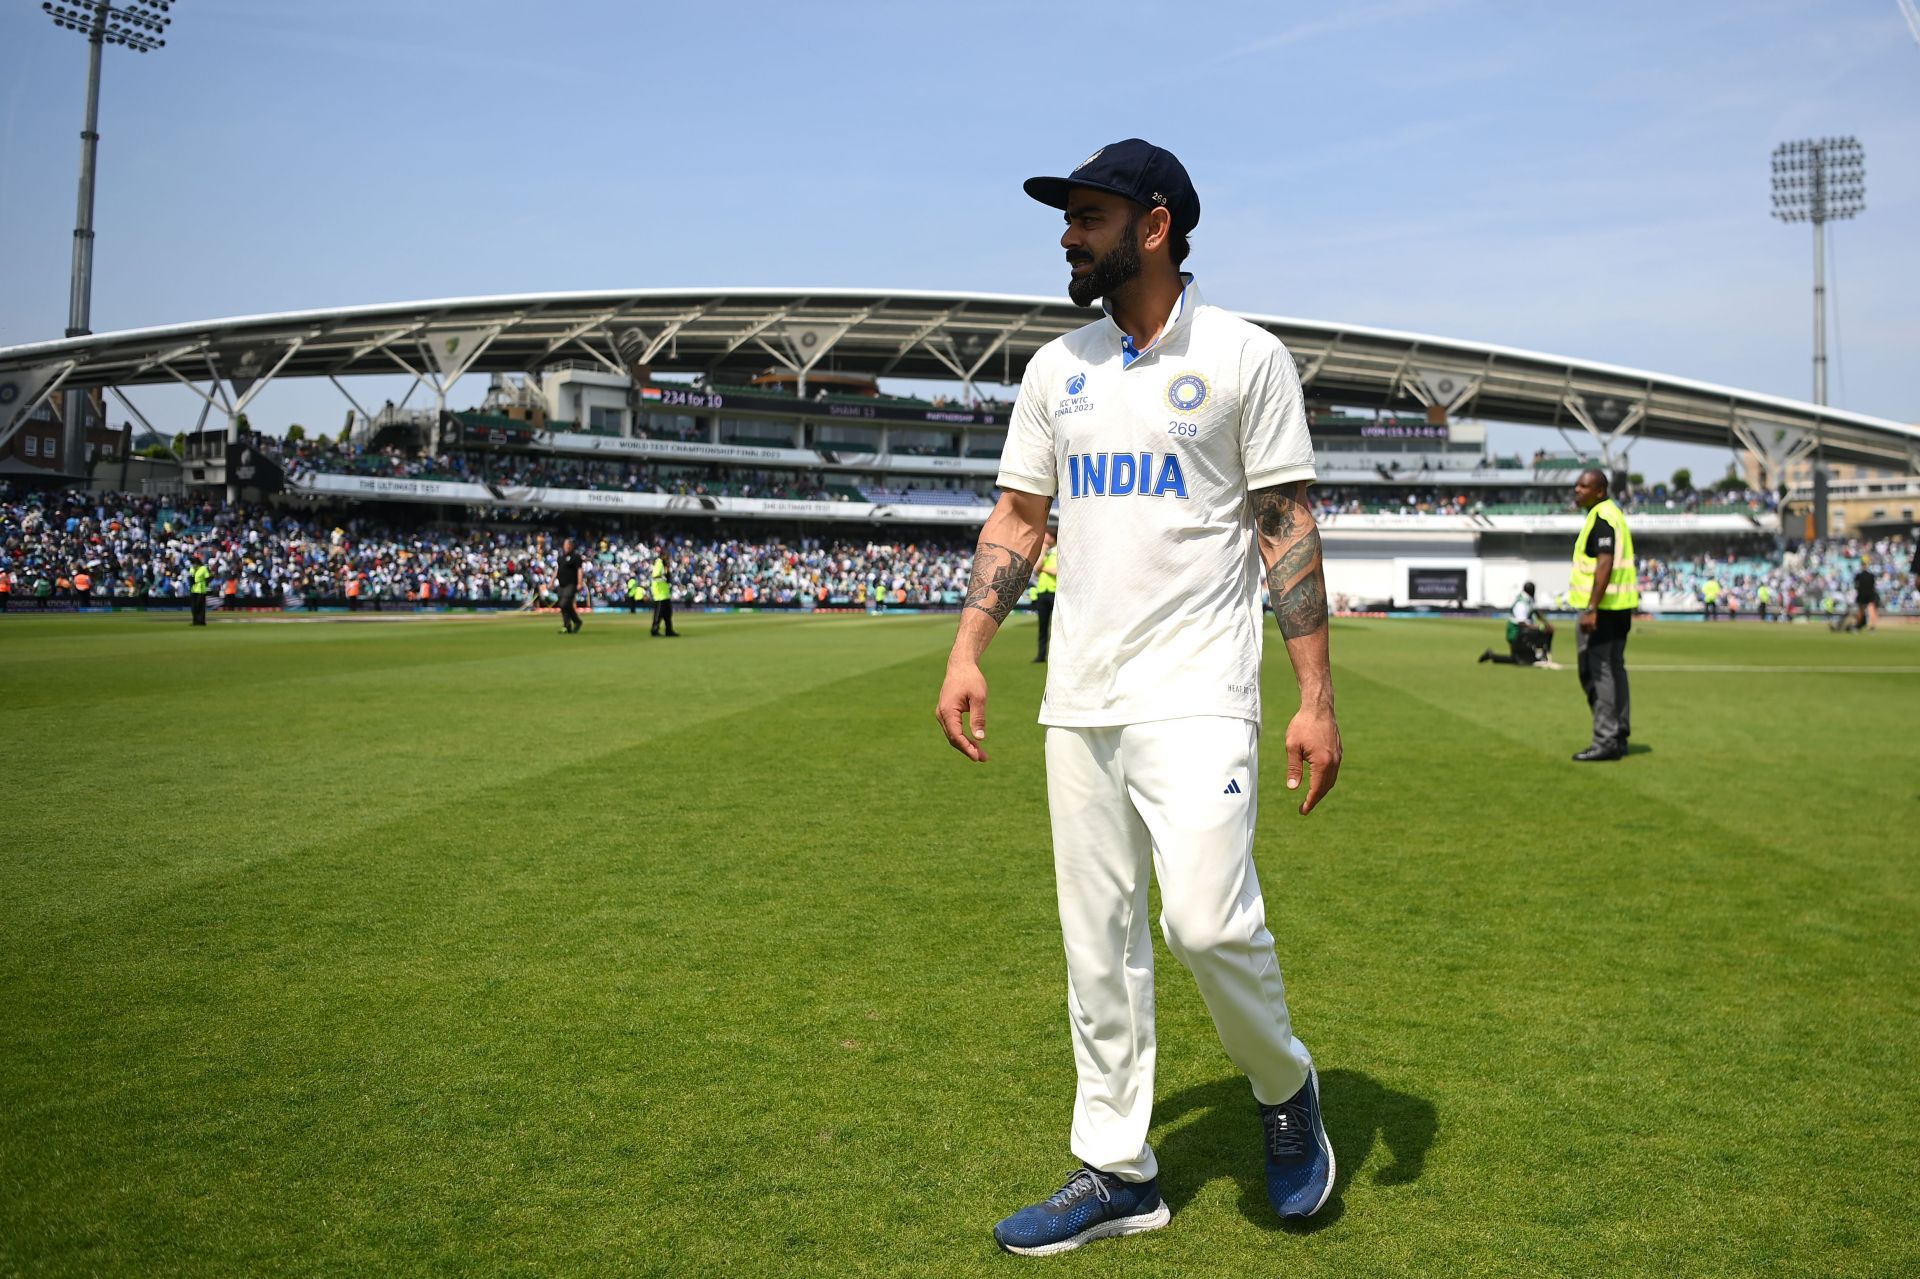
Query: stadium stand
{"type": "Point", "coordinates": [923, 496]}
{"type": "Point", "coordinates": [547, 470]}
{"type": "Point", "coordinates": [705, 439]}
{"type": "Point", "coordinates": [1419, 495]}
{"type": "Point", "coordinates": [1816, 578]}
{"type": "Point", "coordinates": [1416, 493]}
{"type": "Point", "coordinates": [141, 549]}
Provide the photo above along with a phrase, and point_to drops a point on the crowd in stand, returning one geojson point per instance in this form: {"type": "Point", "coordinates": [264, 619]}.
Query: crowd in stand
{"type": "Point", "coordinates": [1338, 499]}
{"type": "Point", "coordinates": [1350, 499]}
{"type": "Point", "coordinates": [1817, 578]}
{"type": "Point", "coordinates": [307, 457]}
{"type": "Point", "coordinates": [663, 429]}
{"type": "Point", "coordinates": [1661, 500]}
{"type": "Point", "coordinates": [126, 546]}
{"type": "Point", "coordinates": [548, 470]}
{"type": "Point", "coordinates": [131, 547]}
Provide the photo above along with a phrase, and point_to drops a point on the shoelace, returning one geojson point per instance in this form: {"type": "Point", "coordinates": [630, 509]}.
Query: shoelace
{"type": "Point", "coordinates": [1287, 1132]}
{"type": "Point", "coordinates": [1077, 1186]}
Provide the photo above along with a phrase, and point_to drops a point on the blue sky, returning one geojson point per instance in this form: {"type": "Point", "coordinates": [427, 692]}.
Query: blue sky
{"type": "Point", "coordinates": [1585, 179]}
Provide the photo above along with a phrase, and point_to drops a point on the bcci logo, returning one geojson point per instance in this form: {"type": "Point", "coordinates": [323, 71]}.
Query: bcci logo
{"type": "Point", "coordinates": [1076, 384]}
{"type": "Point", "coordinates": [1187, 392]}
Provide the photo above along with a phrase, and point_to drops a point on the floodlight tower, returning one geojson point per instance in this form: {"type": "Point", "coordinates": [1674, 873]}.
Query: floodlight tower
{"type": "Point", "coordinates": [136, 24]}
{"type": "Point", "coordinates": [1816, 180]}
{"type": "Point", "coordinates": [1819, 180]}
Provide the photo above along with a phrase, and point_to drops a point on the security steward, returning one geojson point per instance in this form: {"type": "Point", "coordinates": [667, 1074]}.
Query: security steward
{"type": "Point", "coordinates": [634, 595]}
{"type": "Point", "coordinates": [662, 599]}
{"type": "Point", "coordinates": [198, 583]}
{"type": "Point", "coordinates": [1045, 582]}
{"type": "Point", "coordinates": [1605, 589]}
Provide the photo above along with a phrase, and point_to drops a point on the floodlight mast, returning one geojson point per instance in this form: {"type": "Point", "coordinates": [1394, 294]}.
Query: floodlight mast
{"type": "Point", "coordinates": [1819, 180]}
{"type": "Point", "coordinates": [136, 24]}
{"type": "Point", "coordinates": [1816, 180]}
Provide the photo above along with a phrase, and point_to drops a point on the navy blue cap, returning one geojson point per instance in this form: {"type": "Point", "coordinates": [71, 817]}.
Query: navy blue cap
{"type": "Point", "coordinates": [1136, 169]}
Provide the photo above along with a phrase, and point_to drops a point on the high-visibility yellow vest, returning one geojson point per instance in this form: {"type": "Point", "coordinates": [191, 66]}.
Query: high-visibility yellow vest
{"type": "Point", "coordinates": [1622, 589]}
{"type": "Point", "coordinates": [633, 588]}
{"type": "Point", "coordinates": [1710, 590]}
{"type": "Point", "coordinates": [1047, 581]}
{"type": "Point", "coordinates": [201, 579]}
{"type": "Point", "coordinates": [661, 590]}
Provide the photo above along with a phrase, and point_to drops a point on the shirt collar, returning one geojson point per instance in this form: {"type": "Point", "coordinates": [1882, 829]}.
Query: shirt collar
{"type": "Point", "coordinates": [1183, 308]}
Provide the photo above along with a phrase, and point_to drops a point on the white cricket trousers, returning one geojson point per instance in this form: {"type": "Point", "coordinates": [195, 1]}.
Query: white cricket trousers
{"type": "Point", "coordinates": [1177, 794]}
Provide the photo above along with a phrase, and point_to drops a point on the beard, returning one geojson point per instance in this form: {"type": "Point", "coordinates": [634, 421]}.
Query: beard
{"type": "Point", "coordinates": [1114, 271]}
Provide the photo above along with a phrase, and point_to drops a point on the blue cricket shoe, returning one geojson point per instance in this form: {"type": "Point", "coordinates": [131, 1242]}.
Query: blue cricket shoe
{"type": "Point", "coordinates": [1299, 1156]}
{"type": "Point", "coordinates": [1092, 1205]}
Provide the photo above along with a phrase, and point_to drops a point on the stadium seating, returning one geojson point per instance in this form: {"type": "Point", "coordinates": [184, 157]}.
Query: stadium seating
{"type": "Point", "coordinates": [924, 497]}
{"type": "Point", "coordinates": [1817, 578]}
{"type": "Point", "coordinates": [138, 548]}
{"type": "Point", "coordinates": [145, 546]}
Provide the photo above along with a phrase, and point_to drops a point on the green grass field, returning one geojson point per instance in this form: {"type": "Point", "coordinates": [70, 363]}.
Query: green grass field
{"type": "Point", "coordinates": [459, 947]}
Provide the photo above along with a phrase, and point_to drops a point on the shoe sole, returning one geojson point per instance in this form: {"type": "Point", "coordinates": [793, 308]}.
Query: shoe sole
{"type": "Point", "coordinates": [1333, 1165]}
{"type": "Point", "coordinates": [1104, 1230]}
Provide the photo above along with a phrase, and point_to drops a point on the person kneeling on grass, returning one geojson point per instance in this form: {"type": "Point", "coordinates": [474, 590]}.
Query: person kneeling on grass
{"type": "Point", "coordinates": [1529, 636]}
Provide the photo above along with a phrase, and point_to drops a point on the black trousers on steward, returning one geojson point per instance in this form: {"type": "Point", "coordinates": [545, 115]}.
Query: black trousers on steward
{"type": "Point", "coordinates": [1603, 677]}
{"type": "Point", "coordinates": [1043, 609]}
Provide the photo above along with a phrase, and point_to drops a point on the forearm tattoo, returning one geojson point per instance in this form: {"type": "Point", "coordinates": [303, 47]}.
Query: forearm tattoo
{"type": "Point", "coordinates": [1276, 511]}
{"type": "Point", "coordinates": [1298, 588]}
{"type": "Point", "coordinates": [1000, 576]}
{"type": "Point", "coordinates": [1296, 584]}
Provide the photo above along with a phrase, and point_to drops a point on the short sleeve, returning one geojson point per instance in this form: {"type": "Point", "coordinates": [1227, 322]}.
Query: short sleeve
{"type": "Point", "coordinates": [1027, 461]}
{"type": "Point", "coordinates": [1600, 541]}
{"type": "Point", "coordinates": [1275, 447]}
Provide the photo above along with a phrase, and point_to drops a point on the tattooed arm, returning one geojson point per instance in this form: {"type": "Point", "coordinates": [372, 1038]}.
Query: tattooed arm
{"type": "Point", "coordinates": [1002, 565]}
{"type": "Point", "coordinates": [1297, 586]}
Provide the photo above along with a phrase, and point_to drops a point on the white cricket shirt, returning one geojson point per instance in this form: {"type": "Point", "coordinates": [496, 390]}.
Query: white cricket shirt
{"type": "Point", "coordinates": [1152, 455]}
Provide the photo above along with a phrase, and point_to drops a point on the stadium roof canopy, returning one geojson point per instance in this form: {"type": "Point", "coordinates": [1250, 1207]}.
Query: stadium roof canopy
{"type": "Point", "coordinates": [731, 334]}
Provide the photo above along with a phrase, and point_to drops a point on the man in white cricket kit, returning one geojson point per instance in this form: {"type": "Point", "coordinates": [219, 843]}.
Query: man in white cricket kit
{"type": "Point", "coordinates": [1174, 438]}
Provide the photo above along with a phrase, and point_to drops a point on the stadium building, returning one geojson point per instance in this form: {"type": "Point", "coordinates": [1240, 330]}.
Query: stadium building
{"type": "Point", "coordinates": [836, 413]}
